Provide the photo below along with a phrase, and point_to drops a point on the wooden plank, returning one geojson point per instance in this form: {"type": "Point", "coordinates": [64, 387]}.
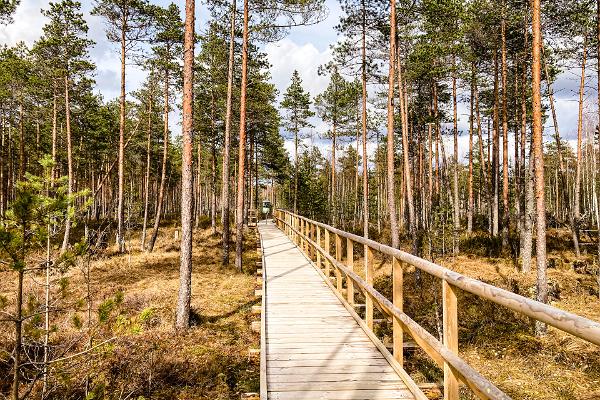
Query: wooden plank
{"type": "Point", "coordinates": [342, 395]}
{"type": "Point", "coordinates": [350, 369]}
{"type": "Point", "coordinates": [314, 348]}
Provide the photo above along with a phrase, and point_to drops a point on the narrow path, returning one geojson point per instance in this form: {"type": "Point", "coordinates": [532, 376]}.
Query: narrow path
{"type": "Point", "coordinates": [314, 348]}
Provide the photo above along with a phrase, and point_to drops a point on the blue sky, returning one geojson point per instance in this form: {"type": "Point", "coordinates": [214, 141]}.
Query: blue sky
{"type": "Point", "coordinates": [304, 49]}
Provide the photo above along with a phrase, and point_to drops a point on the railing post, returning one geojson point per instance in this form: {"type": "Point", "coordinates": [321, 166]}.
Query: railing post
{"type": "Point", "coordinates": [319, 244]}
{"type": "Point", "coordinates": [369, 281]}
{"type": "Point", "coordinates": [296, 226]}
{"type": "Point", "coordinates": [312, 237]}
{"type": "Point", "coordinates": [350, 264]}
{"type": "Point", "coordinates": [450, 305]}
{"type": "Point", "coordinates": [301, 236]}
{"type": "Point", "coordinates": [398, 299]}
{"type": "Point", "coordinates": [327, 248]}
{"type": "Point", "coordinates": [338, 257]}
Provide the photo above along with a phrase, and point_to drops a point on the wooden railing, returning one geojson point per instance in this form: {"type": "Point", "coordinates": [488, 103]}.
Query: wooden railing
{"type": "Point", "coordinates": [316, 239]}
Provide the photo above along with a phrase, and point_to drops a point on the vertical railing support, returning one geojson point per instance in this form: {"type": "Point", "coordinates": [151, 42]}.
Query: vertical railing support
{"type": "Point", "coordinates": [350, 264]}
{"type": "Point", "coordinates": [327, 249]}
{"type": "Point", "coordinates": [319, 244]}
{"type": "Point", "coordinates": [338, 257]}
{"type": "Point", "coordinates": [450, 305]}
{"type": "Point", "coordinates": [398, 300]}
{"type": "Point", "coordinates": [313, 250]}
{"type": "Point", "coordinates": [369, 281]}
{"type": "Point", "coordinates": [302, 241]}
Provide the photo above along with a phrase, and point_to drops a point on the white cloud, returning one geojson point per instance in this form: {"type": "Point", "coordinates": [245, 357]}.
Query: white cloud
{"type": "Point", "coordinates": [286, 56]}
{"type": "Point", "coordinates": [27, 25]}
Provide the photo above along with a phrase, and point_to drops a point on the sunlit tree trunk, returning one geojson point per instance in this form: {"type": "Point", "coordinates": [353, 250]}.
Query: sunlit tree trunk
{"type": "Point", "coordinates": [242, 148]}
{"type": "Point", "coordinates": [163, 177]}
{"type": "Point", "coordinates": [120, 206]}
{"type": "Point", "coordinates": [538, 148]}
{"type": "Point", "coordinates": [391, 194]}
{"type": "Point", "coordinates": [65, 243]}
{"type": "Point", "coordinates": [577, 194]}
{"type": "Point", "coordinates": [147, 181]}
{"type": "Point", "coordinates": [505, 183]}
{"type": "Point", "coordinates": [187, 179]}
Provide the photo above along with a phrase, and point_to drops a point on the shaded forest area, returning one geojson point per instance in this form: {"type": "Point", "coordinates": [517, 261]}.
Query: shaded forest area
{"type": "Point", "coordinates": [104, 209]}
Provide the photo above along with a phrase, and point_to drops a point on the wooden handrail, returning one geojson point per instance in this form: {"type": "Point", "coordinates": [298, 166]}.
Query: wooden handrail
{"type": "Point", "coordinates": [574, 324]}
{"type": "Point", "coordinates": [444, 354]}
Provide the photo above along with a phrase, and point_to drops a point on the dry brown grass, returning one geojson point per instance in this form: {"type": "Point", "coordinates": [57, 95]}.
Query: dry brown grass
{"type": "Point", "coordinates": [497, 342]}
{"type": "Point", "coordinates": [147, 359]}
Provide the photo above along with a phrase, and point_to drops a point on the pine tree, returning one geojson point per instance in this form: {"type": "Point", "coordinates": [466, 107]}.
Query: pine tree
{"type": "Point", "coordinates": [187, 177]}
{"type": "Point", "coordinates": [65, 40]}
{"type": "Point", "coordinates": [297, 103]}
{"type": "Point", "coordinates": [128, 23]}
{"type": "Point", "coordinates": [166, 51]}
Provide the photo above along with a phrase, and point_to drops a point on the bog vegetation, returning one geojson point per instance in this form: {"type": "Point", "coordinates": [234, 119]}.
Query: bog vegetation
{"type": "Point", "coordinates": [116, 231]}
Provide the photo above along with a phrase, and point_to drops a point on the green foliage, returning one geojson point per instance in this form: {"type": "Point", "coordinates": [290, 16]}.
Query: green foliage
{"type": "Point", "coordinates": [105, 309]}
{"type": "Point", "coordinates": [7, 9]}
{"type": "Point", "coordinates": [297, 103]}
{"type": "Point", "coordinates": [336, 104]}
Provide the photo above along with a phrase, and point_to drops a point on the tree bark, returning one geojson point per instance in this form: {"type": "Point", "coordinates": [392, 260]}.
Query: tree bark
{"type": "Point", "coordinates": [542, 285]}
{"type": "Point", "coordinates": [18, 336]}
{"type": "Point", "coordinates": [365, 158]}
{"type": "Point", "coordinates": [495, 153]}
{"type": "Point", "coordinates": [471, 127]}
{"type": "Point", "coordinates": [239, 240]}
{"type": "Point", "coordinates": [456, 218]}
{"type": "Point", "coordinates": [120, 208]}
{"type": "Point", "coordinates": [65, 243]}
{"type": "Point", "coordinates": [187, 178]}
{"type": "Point", "coordinates": [577, 194]}
{"type": "Point", "coordinates": [163, 177]}
{"type": "Point", "coordinates": [406, 159]}
{"type": "Point", "coordinates": [147, 182]}
{"type": "Point", "coordinates": [391, 192]}
{"type": "Point", "coordinates": [505, 183]}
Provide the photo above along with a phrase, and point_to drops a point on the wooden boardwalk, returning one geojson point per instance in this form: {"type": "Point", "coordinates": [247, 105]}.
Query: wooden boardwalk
{"type": "Point", "coordinates": [314, 348]}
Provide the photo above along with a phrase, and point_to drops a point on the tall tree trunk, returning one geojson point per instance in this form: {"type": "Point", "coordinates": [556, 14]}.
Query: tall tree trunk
{"type": "Point", "coordinates": [391, 192]}
{"type": "Point", "coordinates": [163, 176]}
{"type": "Point", "coordinates": [528, 215]}
{"type": "Point", "coordinates": [18, 336]}
{"type": "Point", "coordinates": [295, 167]}
{"type": "Point", "coordinates": [406, 159]}
{"type": "Point", "coordinates": [65, 243]}
{"type": "Point", "coordinates": [120, 208]}
{"type": "Point", "coordinates": [471, 123]}
{"type": "Point", "coordinates": [542, 284]}
{"type": "Point", "coordinates": [598, 81]}
{"type": "Point", "coordinates": [505, 183]}
{"type": "Point", "coordinates": [147, 181]}
{"type": "Point", "coordinates": [187, 177]}
{"type": "Point", "coordinates": [365, 158]}
{"type": "Point", "coordinates": [227, 141]}
{"type": "Point", "coordinates": [54, 128]}
{"type": "Point", "coordinates": [213, 169]}
{"type": "Point", "coordinates": [577, 194]}
{"type": "Point", "coordinates": [239, 240]}
{"type": "Point", "coordinates": [495, 152]}
{"type": "Point", "coordinates": [456, 217]}
{"type": "Point", "coordinates": [21, 138]}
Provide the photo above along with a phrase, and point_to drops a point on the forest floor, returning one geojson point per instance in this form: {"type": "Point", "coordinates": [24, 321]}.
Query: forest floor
{"type": "Point", "coordinates": [495, 341]}
{"type": "Point", "coordinates": [134, 297]}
